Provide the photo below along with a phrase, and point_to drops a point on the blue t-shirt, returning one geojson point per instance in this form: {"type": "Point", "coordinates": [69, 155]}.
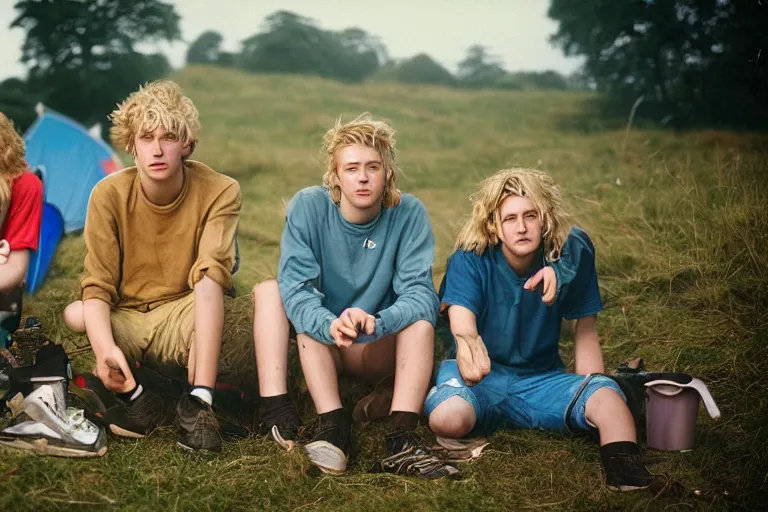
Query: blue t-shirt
{"type": "Point", "coordinates": [328, 264]}
{"type": "Point", "coordinates": [520, 332]}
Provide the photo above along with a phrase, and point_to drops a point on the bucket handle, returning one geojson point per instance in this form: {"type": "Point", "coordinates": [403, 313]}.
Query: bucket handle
{"type": "Point", "coordinates": [700, 387]}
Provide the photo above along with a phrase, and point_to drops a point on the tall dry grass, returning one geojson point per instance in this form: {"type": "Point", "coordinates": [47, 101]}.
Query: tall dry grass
{"type": "Point", "coordinates": [679, 222]}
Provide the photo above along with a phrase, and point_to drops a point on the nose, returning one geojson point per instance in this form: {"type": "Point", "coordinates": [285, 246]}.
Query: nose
{"type": "Point", "coordinates": [521, 228]}
{"type": "Point", "coordinates": [362, 176]}
{"type": "Point", "coordinates": [157, 148]}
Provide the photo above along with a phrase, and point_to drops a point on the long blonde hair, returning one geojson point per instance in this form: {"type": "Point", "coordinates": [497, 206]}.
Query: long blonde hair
{"type": "Point", "coordinates": [482, 229]}
{"type": "Point", "coordinates": [159, 104]}
{"type": "Point", "coordinates": [12, 163]}
{"type": "Point", "coordinates": [366, 132]}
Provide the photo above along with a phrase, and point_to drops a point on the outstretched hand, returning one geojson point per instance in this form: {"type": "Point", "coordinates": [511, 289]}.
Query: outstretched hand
{"type": "Point", "coordinates": [549, 291]}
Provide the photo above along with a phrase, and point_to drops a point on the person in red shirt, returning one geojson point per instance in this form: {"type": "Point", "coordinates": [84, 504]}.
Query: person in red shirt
{"type": "Point", "coordinates": [21, 207]}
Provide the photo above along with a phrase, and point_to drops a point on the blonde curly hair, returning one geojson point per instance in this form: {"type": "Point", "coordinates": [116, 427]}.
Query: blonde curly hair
{"type": "Point", "coordinates": [364, 131]}
{"type": "Point", "coordinates": [159, 104]}
{"type": "Point", "coordinates": [482, 228]}
{"type": "Point", "coordinates": [12, 163]}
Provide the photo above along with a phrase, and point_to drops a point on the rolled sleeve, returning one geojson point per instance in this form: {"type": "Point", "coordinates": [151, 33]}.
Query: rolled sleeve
{"type": "Point", "coordinates": [216, 249]}
{"type": "Point", "coordinates": [463, 283]}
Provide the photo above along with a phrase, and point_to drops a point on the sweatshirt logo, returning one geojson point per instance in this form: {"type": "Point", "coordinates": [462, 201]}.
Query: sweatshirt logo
{"type": "Point", "coordinates": [369, 244]}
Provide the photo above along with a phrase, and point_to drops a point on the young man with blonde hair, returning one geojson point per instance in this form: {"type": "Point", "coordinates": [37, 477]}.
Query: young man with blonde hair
{"type": "Point", "coordinates": [506, 370]}
{"type": "Point", "coordinates": [160, 253]}
{"type": "Point", "coordinates": [355, 282]}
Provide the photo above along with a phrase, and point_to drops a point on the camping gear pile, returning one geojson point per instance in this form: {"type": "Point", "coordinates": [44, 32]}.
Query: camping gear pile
{"type": "Point", "coordinates": [42, 419]}
{"type": "Point", "coordinates": [52, 412]}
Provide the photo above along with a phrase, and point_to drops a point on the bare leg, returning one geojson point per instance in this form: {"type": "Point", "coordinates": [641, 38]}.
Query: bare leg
{"type": "Point", "coordinates": [271, 333]}
{"type": "Point", "coordinates": [370, 362]}
{"type": "Point", "coordinates": [320, 364]}
{"type": "Point", "coordinates": [415, 355]}
{"type": "Point", "coordinates": [454, 418]}
{"type": "Point", "coordinates": [607, 411]}
{"type": "Point", "coordinates": [74, 318]}
{"type": "Point", "coordinates": [209, 328]}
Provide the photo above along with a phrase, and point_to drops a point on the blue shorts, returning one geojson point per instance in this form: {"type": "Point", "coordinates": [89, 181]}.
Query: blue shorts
{"type": "Point", "coordinates": [552, 400]}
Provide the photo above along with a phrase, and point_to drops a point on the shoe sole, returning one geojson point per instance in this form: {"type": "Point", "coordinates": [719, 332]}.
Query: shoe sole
{"type": "Point", "coordinates": [89, 397]}
{"type": "Point", "coordinates": [197, 451]}
{"type": "Point", "coordinates": [327, 457]}
{"type": "Point", "coordinates": [625, 488]}
{"type": "Point", "coordinates": [43, 447]}
{"type": "Point", "coordinates": [372, 408]}
{"type": "Point", "coordinates": [376, 405]}
{"type": "Point", "coordinates": [125, 433]}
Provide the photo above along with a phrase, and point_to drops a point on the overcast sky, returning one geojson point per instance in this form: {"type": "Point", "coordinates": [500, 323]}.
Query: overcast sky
{"type": "Point", "coordinates": [517, 31]}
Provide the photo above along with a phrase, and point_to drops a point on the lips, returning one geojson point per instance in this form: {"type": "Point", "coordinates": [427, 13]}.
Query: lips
{"type": "Point", "coordinates": [364, 193]}
{"type": "Point", "coordinates": [158, 166]}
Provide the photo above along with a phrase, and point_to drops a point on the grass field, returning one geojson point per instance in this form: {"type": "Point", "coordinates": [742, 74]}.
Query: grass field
{"type": "Point", "coordinates": [680, 223]}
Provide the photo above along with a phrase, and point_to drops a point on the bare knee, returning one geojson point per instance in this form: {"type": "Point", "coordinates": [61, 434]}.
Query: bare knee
{"type": "Point", "coordinates": [606, 406]}
{"type": "Point", "coordinates": [266, 291]}
{"type": "Point", "coordinates": [419, 334]}
{"type": "Point", "coordinates": [420, 329]}
{"type": "Point", "coordinates": [310, 349]}
{"type": "Point", "coordinates": [455, 417]}
{"type": "Point", "coordinates": [74, 318]}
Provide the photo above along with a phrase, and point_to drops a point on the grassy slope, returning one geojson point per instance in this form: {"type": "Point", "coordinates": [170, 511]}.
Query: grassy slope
{"type": "Point", "coordinates": [680, 257]}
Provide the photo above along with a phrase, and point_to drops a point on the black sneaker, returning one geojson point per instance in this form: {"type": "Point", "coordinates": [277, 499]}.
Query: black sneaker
{"type": "Point", "coordinates": [137, 418]}
{"type": "Point", "coordinates": [329, 449]}
{"type": "Point", "coordinates": [407, 455]}
{"type": "Point", "coordinates": [198, 426]}
{"type": "Point", "coordinates": [626, 472]}
{"type": "Point", "coordinates": [280, 421]}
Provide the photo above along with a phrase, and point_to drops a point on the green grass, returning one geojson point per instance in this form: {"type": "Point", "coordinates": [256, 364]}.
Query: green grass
{"type": "Point", "coordinates": [680, 222]}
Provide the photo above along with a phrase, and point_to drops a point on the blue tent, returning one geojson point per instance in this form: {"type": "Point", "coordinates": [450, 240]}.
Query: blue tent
{"type": "Point", "coordinates": [73, 162]}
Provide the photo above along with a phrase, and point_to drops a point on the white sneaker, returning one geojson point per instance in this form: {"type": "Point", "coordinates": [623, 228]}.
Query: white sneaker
{"type": "Point", "coordinates": [54, 429]}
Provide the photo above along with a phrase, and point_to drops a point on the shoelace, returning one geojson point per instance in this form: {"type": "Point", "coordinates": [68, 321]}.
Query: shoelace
{"type": "Point", "coordinates": [413, 458]}
{"type": "Point", "coordinates": [77, 419]}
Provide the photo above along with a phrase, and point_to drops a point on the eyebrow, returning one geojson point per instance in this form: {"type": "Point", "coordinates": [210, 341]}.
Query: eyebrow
{"type": "Point", "coordinates": [367, 163]}
{"type": "Point", "coordinates": [526, 212]}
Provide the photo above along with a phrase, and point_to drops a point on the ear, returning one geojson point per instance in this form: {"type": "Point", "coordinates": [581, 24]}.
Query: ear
{"type": "Point", "coordinates": [188, 148]}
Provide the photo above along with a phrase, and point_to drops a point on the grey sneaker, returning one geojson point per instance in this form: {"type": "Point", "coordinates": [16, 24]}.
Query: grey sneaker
{"type": "Point", "coordinates": [408, 456]}
{"type": "Point", "coordinates": [49, 427]}
{"type": "Point", "coordinates": [198, 426]}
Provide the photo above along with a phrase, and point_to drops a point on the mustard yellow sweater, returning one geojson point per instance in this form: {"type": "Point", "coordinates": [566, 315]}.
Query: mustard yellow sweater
{"type": "Point", "coordinates": [140, 255]}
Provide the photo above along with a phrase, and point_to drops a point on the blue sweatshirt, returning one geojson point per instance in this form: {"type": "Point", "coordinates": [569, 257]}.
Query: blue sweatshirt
{"type": "Point", "coordinates": [328, 264]}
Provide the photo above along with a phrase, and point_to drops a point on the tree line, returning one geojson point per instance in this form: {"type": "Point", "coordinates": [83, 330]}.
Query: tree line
{"type": "Point", "coordinates": [291, 43]}
{"type": "Point", "coordinates": [82, 56]}
{"type": "Point", "coordinates": [689, 62]}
